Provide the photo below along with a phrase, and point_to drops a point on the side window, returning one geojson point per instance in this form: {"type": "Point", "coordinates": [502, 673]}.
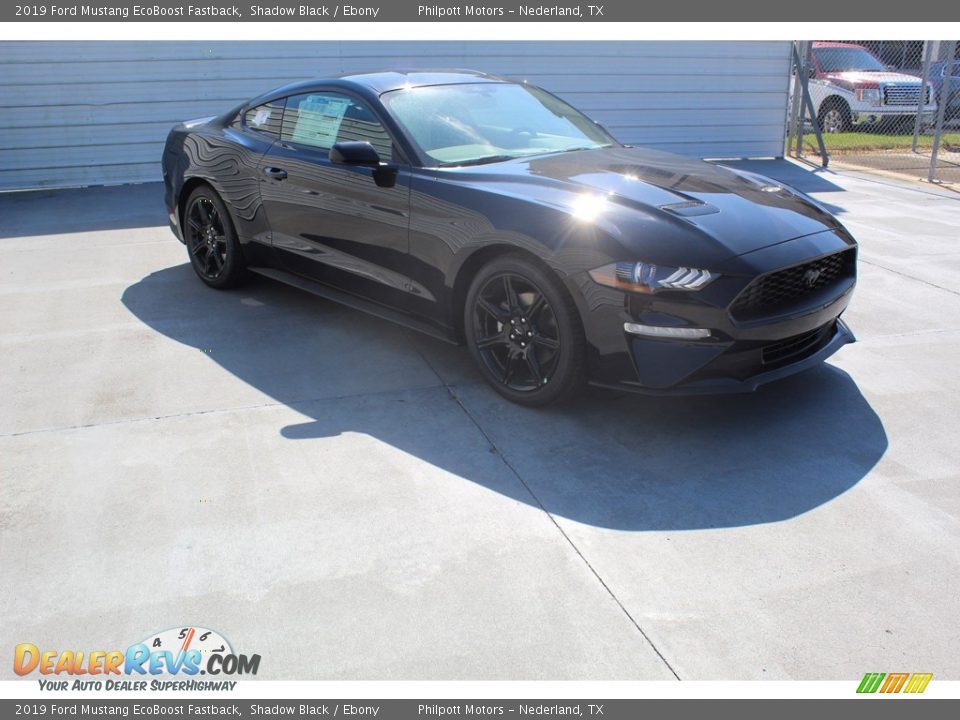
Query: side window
{"type": "Point", "coordinates": [322, 119]}
{"type": "Point", "coordinates": [265, 118]}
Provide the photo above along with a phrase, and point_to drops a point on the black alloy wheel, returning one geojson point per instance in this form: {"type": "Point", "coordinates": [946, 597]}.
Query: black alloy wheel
{"type": "Point", "coordinates": [211, 240]}
{"type": "Point", "coordinates": [524, 332]}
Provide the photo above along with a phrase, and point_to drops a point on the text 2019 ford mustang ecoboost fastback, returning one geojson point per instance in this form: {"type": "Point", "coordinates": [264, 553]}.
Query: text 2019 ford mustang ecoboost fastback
{"type": "Point", "coordinates": [492, 213]}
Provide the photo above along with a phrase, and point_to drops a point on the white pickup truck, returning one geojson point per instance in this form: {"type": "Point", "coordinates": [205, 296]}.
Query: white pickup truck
{"type": "Point", "coordinates": [849, 86]}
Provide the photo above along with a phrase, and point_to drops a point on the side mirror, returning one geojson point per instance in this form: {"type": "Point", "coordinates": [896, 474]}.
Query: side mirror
{"type": "Point", "coordinates": [354, 153]}
{"type": "Point", "coordinates": [811, 72]}
{"type": "Point", "coordinates": [362, 154]}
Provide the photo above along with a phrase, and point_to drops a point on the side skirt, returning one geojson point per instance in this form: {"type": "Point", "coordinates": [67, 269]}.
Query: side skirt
{"type": "Point", "coordinates": [352, 301]}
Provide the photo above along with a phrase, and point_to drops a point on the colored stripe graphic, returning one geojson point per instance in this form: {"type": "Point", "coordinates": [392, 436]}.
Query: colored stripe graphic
{"type": "Point", "coordinates": [894, 682]}
{"type": "Point", "coordinates": [918, 682]}
{"type": "Point", "coordinates": [870, 682]}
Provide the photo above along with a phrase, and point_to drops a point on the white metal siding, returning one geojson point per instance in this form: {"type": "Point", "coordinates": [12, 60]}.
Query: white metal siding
{"type": "Point", "coordinates": [77, 113]}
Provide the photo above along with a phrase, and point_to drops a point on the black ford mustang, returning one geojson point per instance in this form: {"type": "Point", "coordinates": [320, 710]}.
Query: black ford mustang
{"type": "Point", "coordinates": [490, 212]}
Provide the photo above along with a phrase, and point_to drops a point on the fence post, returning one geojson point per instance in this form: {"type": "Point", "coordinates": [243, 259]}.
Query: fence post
{"type": "Point", "coordinates": [795, 100]}
{"type": "Point", "coordinates": [802, 65]}
{"type": "Point", "coordinates": [925, 76]}
{"type": "Point", "coordinates": [807, 105]}
{"type": "Point", "coordinates": [941, 109]}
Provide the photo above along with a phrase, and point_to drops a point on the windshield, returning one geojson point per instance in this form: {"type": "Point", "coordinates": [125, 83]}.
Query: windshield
{"type": "Point", "coordinates": [489, 122]}
{"type": "Point", "coordinates": [838, 59]}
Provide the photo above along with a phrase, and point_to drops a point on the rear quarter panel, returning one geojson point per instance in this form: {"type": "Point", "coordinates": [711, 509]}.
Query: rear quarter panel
{"type": "Point", "coordinates": [229, 161]}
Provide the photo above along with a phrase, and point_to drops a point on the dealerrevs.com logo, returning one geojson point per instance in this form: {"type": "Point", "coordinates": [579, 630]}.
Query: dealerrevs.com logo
{"type": "Point", "coordinates": [169, 660]}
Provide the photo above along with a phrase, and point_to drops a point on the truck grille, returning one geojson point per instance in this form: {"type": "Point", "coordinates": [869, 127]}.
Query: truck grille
{"type": "Point", "coordinates": [904, 95]}
{"type": "Point", "coordinates": [797, 347]}
{"type": "Point", "coordinates": [780, 289]}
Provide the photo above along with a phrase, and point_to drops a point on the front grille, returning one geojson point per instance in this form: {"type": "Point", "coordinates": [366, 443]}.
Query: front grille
{"type": "Point", "coordinates": [797, 347]}
{"type": "Point", "coordinates": [777, 291]}
{"type": "Point", "coordinates": [904, 95]}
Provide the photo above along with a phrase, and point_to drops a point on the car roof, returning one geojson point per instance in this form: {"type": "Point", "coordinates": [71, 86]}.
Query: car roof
{"type": "Point", "coordinates": [387, 80]}
{"type": "Point", "coordinates": [381, 81]}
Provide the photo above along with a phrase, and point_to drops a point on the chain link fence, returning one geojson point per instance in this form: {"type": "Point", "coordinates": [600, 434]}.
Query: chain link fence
{"type": "Point", "coordinates": [890, 107]}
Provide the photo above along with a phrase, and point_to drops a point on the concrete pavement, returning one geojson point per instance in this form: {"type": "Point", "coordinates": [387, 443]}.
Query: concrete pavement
{"type": "Point", "coordinates": [347, 499]}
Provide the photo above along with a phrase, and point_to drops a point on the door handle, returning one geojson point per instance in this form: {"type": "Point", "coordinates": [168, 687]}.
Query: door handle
{"type": "Point", "coordinates": [275, 173]}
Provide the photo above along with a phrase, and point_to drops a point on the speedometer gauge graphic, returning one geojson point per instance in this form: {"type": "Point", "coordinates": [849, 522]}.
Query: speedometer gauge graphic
{"type": "Point", "coordinates": [182, 640]}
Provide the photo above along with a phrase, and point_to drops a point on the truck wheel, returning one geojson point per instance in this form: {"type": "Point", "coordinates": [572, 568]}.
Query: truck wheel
{"type": "Point", "coordinates": [834, 116]}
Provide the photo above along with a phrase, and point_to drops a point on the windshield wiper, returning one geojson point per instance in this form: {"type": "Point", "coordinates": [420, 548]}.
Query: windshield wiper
{"type": "Point", "coordinates": [479, 161]}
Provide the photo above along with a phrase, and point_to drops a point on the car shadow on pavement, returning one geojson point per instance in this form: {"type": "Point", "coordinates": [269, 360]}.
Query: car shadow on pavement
{"type": "Point", "coordinates": [606, 459]}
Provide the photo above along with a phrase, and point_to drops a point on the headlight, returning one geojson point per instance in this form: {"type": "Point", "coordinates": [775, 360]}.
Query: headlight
{"type": "Point", "coordinates": [869, 95]}
{"type": "Point", "coordinates": [649, 278]}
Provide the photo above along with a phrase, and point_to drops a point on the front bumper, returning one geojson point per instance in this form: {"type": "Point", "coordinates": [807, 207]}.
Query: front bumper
{"type": "Point", "coordinates": [876, 115]}
{"type": "Point", "coordinates": [740, 354]}
{"type": "Point", "coordinates": [742, 370]}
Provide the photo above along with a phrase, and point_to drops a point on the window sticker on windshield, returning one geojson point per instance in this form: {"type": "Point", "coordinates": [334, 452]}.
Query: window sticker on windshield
{"type": "Point", "coordinates": [261, 118]}
{"type": "Point", "coordinates": [319, 119]}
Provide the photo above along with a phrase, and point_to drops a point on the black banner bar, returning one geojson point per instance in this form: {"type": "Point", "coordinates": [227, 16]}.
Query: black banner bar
{"type": "Point", "coordinates": [740, 11]}
{"type": "Point", "coordinates": [873, 707]}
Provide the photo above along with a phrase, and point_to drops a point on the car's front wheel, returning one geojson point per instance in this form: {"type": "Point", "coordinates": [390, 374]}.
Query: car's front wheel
{"type": "Point", "coordinates": [834, 116]}
{"type": "Point", "coordinates": [524, 332]}
{"type": "Point", "coordinates": [211, 240]}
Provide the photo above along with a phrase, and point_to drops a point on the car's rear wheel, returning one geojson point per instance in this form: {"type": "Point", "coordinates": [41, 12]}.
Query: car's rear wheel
{"type": "Point", "coordinates": [212, 244]}
{"type": "Point", "coordinates": [524, 332]}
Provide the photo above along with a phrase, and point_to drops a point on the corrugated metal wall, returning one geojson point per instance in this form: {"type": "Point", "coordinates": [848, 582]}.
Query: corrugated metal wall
{"type": "Point", "coordinates": [77, 113]}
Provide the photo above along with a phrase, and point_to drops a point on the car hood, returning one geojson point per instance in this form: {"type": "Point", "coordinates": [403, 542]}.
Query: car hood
{"type": "Point", "coordinates": [652, 200]}
{"type": "Point", "coordinates": [865, 79]}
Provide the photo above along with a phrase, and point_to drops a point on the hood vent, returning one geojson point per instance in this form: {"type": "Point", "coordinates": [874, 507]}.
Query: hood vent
{"type": "Point", "coordinates": [690, 208]}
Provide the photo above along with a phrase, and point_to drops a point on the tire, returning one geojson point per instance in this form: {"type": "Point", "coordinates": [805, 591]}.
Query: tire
{"type": "Point", "coordinates": [524, 332]}
{"type": "Point", "coordinates": [211, 239]}
{"type": "Point", "coordinates": [834, 116]}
